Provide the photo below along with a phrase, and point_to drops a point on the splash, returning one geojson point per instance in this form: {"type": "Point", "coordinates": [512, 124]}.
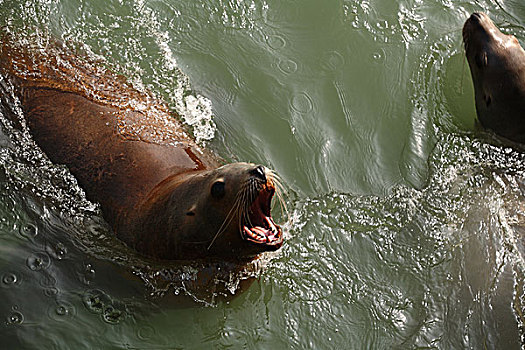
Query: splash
{"type": "Point", "coordinates": [194, 109]}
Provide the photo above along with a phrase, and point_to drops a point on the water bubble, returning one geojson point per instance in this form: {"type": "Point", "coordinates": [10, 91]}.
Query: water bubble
{"type": "Point", "coordinates": [29, 231]}
{"type": "Point", "coordinates": [62, 311]}
{"type": "Point", "coordinates": [95, 301]}
{"type": "Point", "coordinates": [88, 274]}
{"type": "Point", "coordinates": [302, 103]}
{"type": "Point", "coordinates": [60, 251]}
{"type": "Point", "coordinates": [10, 279]}
{"type": "Point", "coordinates": [287, 66]}
{"type": "Point", "coordinates": [379, 56]}
{"type": "Point", "coordinates": [15, 318]}
{"type": "Point", "coordinates": [38, 261]}
{"type": "Point", "coordinates": [112, 315]}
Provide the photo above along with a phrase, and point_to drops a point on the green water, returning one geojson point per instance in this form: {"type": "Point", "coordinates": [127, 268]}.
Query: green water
{"type": "Point", "coordinates": [405, 226]}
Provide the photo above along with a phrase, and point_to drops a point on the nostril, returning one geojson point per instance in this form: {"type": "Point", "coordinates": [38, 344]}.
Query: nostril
{"type": "Point", "coordinates": [258, 172]}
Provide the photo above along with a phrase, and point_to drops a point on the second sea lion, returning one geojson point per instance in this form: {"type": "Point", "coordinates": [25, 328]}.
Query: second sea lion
{"type": "Point", "coordinates": [497, 66]}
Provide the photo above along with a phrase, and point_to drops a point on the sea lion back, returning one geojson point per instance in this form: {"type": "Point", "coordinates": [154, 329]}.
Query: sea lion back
{"type": "Point", "coordinates": [118, 142]}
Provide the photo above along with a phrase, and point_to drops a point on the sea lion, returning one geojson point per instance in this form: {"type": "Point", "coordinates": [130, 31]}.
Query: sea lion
{"type": "Point", "coordinates": [497, 66]}
{"type": "Point", "coordinates": [162, 193]}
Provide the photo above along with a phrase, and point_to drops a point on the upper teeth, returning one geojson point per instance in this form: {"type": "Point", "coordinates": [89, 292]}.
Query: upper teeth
{"type": "Point", "coordinates": [270, 223]}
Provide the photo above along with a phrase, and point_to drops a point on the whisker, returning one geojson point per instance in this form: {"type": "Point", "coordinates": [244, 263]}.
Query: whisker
{"type": "Point", "coordinates": [279, 191]}
{"type": "Point", "coordinates": [239, 220]}
{"type": "Point", "coordinates": [244, 205]}
{"type": "Point", "coordinates": [226, 221]}
{"type": "Point", "coordinates": [282, 204]}
{"type": "Point", "coordinates": [275, 178]}
{"type": "Point", "coordinates": [248, 202]}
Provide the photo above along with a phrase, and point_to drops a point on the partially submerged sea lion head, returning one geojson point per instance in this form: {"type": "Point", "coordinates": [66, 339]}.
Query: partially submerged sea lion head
{"type": "Point", "coordinates": [497, 66]}
{"type": "Point", "coordinates": [224, 212]}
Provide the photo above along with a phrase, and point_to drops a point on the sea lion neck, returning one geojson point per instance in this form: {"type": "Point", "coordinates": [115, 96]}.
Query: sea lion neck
{"type": "Point", "coordinates": [163, 191]}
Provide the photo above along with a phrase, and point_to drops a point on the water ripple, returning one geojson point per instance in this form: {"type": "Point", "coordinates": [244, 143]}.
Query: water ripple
{"type": "Point", "coordinates": [287, 66]}
{"type": "Point", "coordinates": [302, 103]}
{"type": "Point", "coordinates": [11, 280]}
{"type": "Point", "coordinates": [15, 318]}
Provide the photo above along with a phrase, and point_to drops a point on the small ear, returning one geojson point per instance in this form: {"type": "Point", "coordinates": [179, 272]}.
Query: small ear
{"type": "Point", "coordinates": [191, 211]}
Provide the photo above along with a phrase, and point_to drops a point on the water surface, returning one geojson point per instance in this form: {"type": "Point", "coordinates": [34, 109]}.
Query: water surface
{"type": "Point", "coordinates": [405, 226]}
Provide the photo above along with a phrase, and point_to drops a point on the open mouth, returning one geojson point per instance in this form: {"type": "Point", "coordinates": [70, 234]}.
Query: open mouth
{"type": "Point", "coordinates": [261, 228]}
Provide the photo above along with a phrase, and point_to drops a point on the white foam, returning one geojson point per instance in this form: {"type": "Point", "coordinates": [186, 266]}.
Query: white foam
{"type": "Point", "coordinates": [194, 109]}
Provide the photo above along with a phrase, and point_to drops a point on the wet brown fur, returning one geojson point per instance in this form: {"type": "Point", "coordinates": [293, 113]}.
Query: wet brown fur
{"type": "Point", "coordinates": [126, 151]}
{"type": "Point", "coordinates": [497, 66]}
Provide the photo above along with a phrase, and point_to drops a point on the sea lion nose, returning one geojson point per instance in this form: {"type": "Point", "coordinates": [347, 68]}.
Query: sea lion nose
{"type": "Point", "coordinates": [476, 17]}
{"type": "Point", "coordinates": [259, 172]}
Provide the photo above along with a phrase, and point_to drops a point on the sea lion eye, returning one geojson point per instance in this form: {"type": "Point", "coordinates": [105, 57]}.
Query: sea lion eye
{"type": "Point", "coordinates": [217, 189]}
{"type": "Point", "coordinates": [259, 173]}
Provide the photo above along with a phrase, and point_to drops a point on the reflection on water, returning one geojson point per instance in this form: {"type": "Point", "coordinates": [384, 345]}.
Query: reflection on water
{"type": "Point", "coordinates": [406, 223]}
{"type": "Point", "coordinates": [432, 266]}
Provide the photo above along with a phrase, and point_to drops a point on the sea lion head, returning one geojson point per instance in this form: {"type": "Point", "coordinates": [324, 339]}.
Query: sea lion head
{"type": "Point", "coordinates": [497, 66]}
{"type": "Point", "coordinates": [224, 212]}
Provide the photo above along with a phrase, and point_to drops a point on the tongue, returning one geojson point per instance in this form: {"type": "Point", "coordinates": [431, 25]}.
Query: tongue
{"type": "Point", "coordinates": [261, 234]}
